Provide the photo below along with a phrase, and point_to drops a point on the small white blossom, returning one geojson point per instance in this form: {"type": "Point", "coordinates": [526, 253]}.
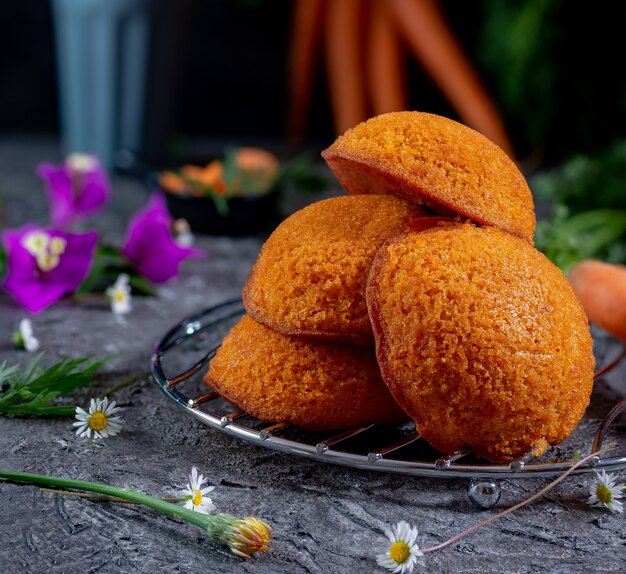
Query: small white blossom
{"type": "Point", "coordinates": [98, 420]}
{"type": "Point", "coordinates": [195, 496]}
{"type": "Point", "coordinates": [24, 337]}
{"type": "Point", "coordinates": [119, 296]}
{"type": "Point", "coordinates": [605, 491]}
{"type": "Point", "coordinates": [182, 233]}
{"type": "Point", "coordinates": [399, 552]}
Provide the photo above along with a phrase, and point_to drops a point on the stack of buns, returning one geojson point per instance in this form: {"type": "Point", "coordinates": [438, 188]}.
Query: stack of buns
{"type": "Point", "coordinates": [418, 295]}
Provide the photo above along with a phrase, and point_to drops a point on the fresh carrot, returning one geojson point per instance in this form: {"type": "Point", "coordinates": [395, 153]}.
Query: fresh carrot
{"type": "Point", "coordinates": [306, 23]}
{"type": "Point", "coordinates": [429, 36]}
{"type": "Point", "coordinates": [343, 63]}
{"type": "Point", "coordinates": [386, 67]}
{"type": "Point", "coordinates": [602, 291]}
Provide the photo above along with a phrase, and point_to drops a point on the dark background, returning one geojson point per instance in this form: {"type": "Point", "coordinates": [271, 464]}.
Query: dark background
{"type": "Point", "coordinates": [561, 85]}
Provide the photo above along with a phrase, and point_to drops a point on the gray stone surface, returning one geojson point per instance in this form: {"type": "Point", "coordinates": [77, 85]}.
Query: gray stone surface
{"type": "Point", "coordinates": [325, 518]}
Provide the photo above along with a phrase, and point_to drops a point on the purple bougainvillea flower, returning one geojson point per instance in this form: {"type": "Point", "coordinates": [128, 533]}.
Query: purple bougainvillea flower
{"type": "Point", "coordinates": [75, 189]}
{"type": "Point", "coordinates": [150, 245]}
{"type": "Point", "coordinates": [43, 265]}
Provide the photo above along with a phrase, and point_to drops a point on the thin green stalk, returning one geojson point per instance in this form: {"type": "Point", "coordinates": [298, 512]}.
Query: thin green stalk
{"type": "Point", "coordinates": [174, 510]}
{"type": "Point", "coordinates": [129, 381]}
{"type": "Point", "coordinates": [243, 536]}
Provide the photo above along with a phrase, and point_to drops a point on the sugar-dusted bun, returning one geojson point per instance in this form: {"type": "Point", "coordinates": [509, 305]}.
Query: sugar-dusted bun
{"type": "Point", "coordinates": [310, 276]}
{"type": "Point", "coordinates": [314, 384]}
{"type": "Point", "coordinates": [437, 162]}
{"type": "Point", "coordinates": [480, 339]}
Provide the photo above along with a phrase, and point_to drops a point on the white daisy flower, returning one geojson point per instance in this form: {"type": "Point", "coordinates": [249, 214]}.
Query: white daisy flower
{"type": "Point", "coordinates": [119, 296]}
{"type": "Point", "coordinates": [605, 492]}
{"type": "Point", "coordinates": [195, 496]}
{"type": "Point", "coordinates": [99, 419]}
{"type": "Point", "coordinates": [24, 337]}
{"type": "Point", "coordinates": [399, 553]}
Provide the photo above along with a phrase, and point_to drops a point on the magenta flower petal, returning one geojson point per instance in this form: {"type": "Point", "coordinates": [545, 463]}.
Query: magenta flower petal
{"type": "Point", "coordinates": [37, 281]}
{"type": "Point", "coordinates": [75, 189]}
{"type": "Point", "coordinates": [149, 245]}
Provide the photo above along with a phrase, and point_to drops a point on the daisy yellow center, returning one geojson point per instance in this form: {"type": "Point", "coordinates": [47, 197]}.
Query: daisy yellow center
{"type": "Point", "coordinates": [97, 421]}
{"type": "Point", "coordinates": [197, 498]}
{"type": "Point", "coordinates": [119, 296]}
{"type": "Point", "coordinates": [399, 552]}
{"type": "Point", "coordinates": [604, 494]}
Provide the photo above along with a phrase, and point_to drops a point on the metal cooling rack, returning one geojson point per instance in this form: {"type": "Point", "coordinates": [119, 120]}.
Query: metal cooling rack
{"type": "Point", "coordinates": [182, 354]}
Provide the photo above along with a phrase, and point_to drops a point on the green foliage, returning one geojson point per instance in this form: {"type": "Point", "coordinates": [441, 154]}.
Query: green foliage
{"type": "Point", "coordinates": [550, 65]}
{"type": "Point", "coordinates": [516, 45]}
{"type": "Point", "coordinates": [587, 182]}
{"type": "Point", "coordinates": [107, 265]}
{"type": "Point", "coordinates": [598, 234]}
{"type": "Point", "coordinates": [299, 176]}
{"type": "Point", "coordinates": [3, 262]}
{"type": "Point", "coordinates": [30, 392]}
{"type": "Point", "coordinates": [589, 195]}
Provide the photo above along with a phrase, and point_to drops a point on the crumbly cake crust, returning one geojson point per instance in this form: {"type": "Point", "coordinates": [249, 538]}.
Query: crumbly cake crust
{"type": "Point", "coordinates": [309, 278]}
{"type": "Point", "coordinates": [481, 339]}
{"type": "Point", "coordinates": [314, 384]}
{"type": "Point", "coordinates": [436, 162]}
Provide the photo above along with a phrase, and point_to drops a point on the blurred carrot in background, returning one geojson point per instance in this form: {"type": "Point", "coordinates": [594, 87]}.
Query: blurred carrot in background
{"type": "Point", "coordinates": [433, 43]}
{"type": "Point", "coordinates": [344, 64]}
{"type": "Point", "coordinates": [386, 68]}
{"type": "Point", "coordinates": [306, 26]}
{"type": "Point", "coordinates": [365, 62]}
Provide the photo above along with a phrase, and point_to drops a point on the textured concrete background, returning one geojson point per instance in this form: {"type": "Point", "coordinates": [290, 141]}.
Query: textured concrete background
{"type": "Point", "coordinates": [325, 518]}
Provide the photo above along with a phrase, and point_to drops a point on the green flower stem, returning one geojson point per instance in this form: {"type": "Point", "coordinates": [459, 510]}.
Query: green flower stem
{"type": "Point", "coordinates": [201, 520]}
{"type": "Point", "coordinates": [125, 383]}
{"type": "Point", "coordinates": [243, 536]}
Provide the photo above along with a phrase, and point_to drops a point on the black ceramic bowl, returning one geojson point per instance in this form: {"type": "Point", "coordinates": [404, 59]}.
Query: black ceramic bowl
{"type": "Point", "coordinates": [245, 215]}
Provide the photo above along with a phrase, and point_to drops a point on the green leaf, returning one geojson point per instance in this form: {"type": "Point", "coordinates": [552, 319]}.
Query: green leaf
{"type": "Point", "coordinates": [229, 167]}
{"type": "Point", "coordinates": [108, 263]}
{"type": "Point", "coordinates": [141, 285]}
{"type": "Point", "coordinates": [299, 175]}
{"type": "Point", "coordinates": [106, 268]}
{"type": "Point", "coordinates": [566, 239]}
{"type": "Point", "coordinates": [31, 391]}
{"type": "Point", "coordinates": [586, 182]}
{"type": "Point", "coordinates": [59, 411]}
{"type": "Point", "coordinates": [3, 262]}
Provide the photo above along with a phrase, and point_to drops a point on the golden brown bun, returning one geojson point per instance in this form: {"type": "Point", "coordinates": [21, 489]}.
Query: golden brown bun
{"type": "Point", "coordinates": [310, 276]}
{"type": "Point", "coordinates": [480, 339]}
{"type": "Point", "coordinates": [437, 162]}
{"type": "Point", "coordinates": [318, 385]}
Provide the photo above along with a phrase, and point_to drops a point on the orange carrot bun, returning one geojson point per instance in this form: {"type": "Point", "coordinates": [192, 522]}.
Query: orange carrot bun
{"type": "Point", "coordinates": [602, 290]}
{"type": "Point", "coordinates": [433, 161]}
{"type": "Point", "coordinates": [310, 276]}
{"type": "Point", "coordinates": [318, 385]}
{"type": "Point", "coordinates": [481, 339]}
